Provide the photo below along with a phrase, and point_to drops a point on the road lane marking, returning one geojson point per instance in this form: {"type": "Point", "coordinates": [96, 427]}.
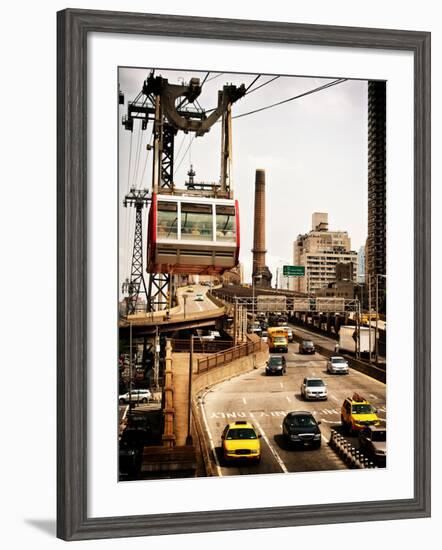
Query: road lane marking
{"type": "Point", "coordinates": [373, 396]}
{"type": "Point", "coordinates": [212, 444]}
{"type": "Point", "coordinates": [125, 412]}
{"type": "Point", "coordinates": [288, 398]}
{"type": "Point", "coordinates": [272, 450]}
{"type": "Point", "coordinates": [244, 401]}
{"type": "Point", "coordinates": [281, 384]}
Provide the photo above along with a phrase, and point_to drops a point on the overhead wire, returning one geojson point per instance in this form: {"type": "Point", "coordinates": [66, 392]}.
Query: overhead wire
{"type": "Point", "coordinates": [205, 78]}
{"type": "Point", "coordinates": [185, 152]}
{"type": "Point", "coordinates": [253, 82]}
{"type": "Point", "coordinates": [147, 157]}
{"type": "Point", "coordinates": [320, 88]}
{"type": "Point", "coordinates": [261, 85]}
{"type": "Point", "coordinates": [213, 77]}
{"type": "Point", "coordinates": [129, 163]}
{"type": "Point", "coordinates": [137, 156]}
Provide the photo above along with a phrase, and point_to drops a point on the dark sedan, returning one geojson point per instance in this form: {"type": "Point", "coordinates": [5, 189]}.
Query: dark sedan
{"type": "Point", "coordinates": [300, 428]}
{"type": "Point", "coordinates": [276, 365]}
{"type": "Point", "coordinates": [307, 346]}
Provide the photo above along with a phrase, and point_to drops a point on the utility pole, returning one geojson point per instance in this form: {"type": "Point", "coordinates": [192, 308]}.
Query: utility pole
{"type": "Point", "coordinates": [377, 316]}
{"type": "Point", "coordinates": [189, 440]}
{"type": "Point", "coordinates": [156, 368]}
{"type": "Point", "coordinates": [369, 317]}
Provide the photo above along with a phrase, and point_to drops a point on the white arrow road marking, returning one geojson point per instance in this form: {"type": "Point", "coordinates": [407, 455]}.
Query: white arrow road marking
{"type": "Point", "coordinates": [272, 450]}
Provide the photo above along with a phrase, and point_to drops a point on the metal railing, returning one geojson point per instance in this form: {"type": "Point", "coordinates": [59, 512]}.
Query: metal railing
{"type": "Point", "coordinates": [227, 356]}
{"type": "Point", "coordinates": [200, 346]}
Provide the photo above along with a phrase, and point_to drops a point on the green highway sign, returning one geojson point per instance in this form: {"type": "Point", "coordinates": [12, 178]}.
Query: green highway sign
{"type": "Point", "coordinates": [293, 271]}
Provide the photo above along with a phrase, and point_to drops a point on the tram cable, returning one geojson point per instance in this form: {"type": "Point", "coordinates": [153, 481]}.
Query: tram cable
{"type": "Point", "coordinates": [148, 147]}
{"type": "Point", "coordinates": [309, 92]}
{"type": "Point", "coordinates": [261, 85]}
{"type": "Point", "coordinates": [129, 163]}
{"type": "Point", "coordinates": [251, 84]}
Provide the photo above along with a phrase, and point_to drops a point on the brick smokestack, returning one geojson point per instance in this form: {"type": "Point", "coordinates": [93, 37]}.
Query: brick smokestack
{"type": "Point", "coordinates": [260, 271]}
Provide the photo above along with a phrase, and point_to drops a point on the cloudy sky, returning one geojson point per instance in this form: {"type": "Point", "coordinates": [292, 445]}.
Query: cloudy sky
{"type": "Point", "coordinates": [313, 149]}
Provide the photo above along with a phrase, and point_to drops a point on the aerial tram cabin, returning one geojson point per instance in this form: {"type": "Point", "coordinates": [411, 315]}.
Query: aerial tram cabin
{"type": "Point", "coordinates": [192, 235]}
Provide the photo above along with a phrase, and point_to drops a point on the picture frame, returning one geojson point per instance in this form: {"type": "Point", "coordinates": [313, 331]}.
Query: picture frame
{"type": "Point", "coordinates": [73, 27]}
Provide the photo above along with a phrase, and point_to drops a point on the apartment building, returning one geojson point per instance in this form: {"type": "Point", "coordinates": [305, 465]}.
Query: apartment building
{"type": "Point", "coordinates": [319, 251]}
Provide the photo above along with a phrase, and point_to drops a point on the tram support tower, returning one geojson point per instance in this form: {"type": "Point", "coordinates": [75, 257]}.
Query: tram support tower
{"type": "Point", "coordinates": [260, 273]}
{"type": "Point", "coordinates": [136, 285]}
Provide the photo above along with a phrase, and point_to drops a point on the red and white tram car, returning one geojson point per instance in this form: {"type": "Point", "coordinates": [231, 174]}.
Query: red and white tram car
{"type": "Point", "coordinates": [193, 235]}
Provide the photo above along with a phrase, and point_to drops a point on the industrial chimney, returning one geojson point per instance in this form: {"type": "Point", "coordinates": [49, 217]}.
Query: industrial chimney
{"type": "Point", "coordinates": [260, 271]}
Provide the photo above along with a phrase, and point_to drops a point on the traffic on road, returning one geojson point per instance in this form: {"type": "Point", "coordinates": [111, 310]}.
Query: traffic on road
{"type": "Point", "coordinates": [292, 416]}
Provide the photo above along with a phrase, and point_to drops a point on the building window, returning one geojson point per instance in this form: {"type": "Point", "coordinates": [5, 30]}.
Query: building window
{"type": "Point", "coordinates": [196, 222]}
{"type": "Point", "coordinates": [167, 223]}
{"type": "Point", "coordinates": [225, 223]}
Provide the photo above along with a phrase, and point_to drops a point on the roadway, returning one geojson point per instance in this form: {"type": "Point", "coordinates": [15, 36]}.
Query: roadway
{"type": "Point", "coordinates": [265, 401]}
{"type": "Point", "coordinates": [324, 341]}
{"type": "Point", "coordinates": [188, 310]}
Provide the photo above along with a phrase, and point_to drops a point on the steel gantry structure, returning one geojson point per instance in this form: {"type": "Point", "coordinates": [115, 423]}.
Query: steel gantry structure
{"type": "Point", "coordinates": [171, 108]}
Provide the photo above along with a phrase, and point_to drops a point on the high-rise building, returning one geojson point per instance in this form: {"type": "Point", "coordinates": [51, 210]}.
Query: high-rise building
{"type": "Point", "coordinates": [319, 251]}
{"type": "Point", "coordinates": [376, 241]}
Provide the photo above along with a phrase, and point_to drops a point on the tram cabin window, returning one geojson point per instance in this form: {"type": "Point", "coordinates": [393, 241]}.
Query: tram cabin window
{"type": "Point", "coordinates": [167, 227]}
{"type": "Point", "coordinates": [225, 223]}
{"type": "Point", "coordinates": [196, 222]}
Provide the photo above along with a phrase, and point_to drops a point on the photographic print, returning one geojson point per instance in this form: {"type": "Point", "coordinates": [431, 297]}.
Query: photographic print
{"type": "Point", "coordinates": [252, 274]}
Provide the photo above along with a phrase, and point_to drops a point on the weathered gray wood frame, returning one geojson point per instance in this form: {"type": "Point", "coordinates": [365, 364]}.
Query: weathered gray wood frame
{"type": "Point", "coordinates": [73, 28]}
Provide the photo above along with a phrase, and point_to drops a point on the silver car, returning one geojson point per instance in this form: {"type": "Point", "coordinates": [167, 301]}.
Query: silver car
{"type": "Point", "coordinates": [136, 396]}
{"type": "Point", "coordinates": [337, 365]}
{"type": "Point", "coordinates": [313, 388]}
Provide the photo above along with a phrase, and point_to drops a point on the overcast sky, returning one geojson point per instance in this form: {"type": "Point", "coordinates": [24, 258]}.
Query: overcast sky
{"type": "Point", "coordinates": [313, 149]}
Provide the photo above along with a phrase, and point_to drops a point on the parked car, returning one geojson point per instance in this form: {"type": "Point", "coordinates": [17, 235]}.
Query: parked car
{"type": "Point", "coordinates": [313, 388]}
{"type": "Point", "coordinates": [300, 428]}
{"type": "Point", "coordinates": [337, 365]}
{"type": "Point", "coordinates": [357, 413]}
{"type": "Point", "coordinates": [276, 365]}
{"type": "Point", "coordinates": [373, 444]}
{"type": "Point", "coordinates": [136, 396]}
{"type": "Point", "coordinates": [240, 440]}
{"type": "Point", "coordinates": [307, 346]}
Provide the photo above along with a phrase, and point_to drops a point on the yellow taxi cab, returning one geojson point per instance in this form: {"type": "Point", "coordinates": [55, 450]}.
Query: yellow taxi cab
{"type": "Point", "coordinates": [357, 413]}
{"type": "Point", "coordinates": [241, 441]}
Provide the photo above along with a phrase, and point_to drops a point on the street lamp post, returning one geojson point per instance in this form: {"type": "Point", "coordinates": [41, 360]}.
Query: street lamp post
{"type": "Point", "coordinates": [254, 277]}
{"type": "Point", "coordinates": [358, 329]}
{"type": "Point", "coordinates": [377, 315]}
{"type": "Point", "coordinates": [369, 319]}
{"type": "Point", "coordinates": [185, 301]}
{"type": "Point", "coordinates": [189, 440]}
